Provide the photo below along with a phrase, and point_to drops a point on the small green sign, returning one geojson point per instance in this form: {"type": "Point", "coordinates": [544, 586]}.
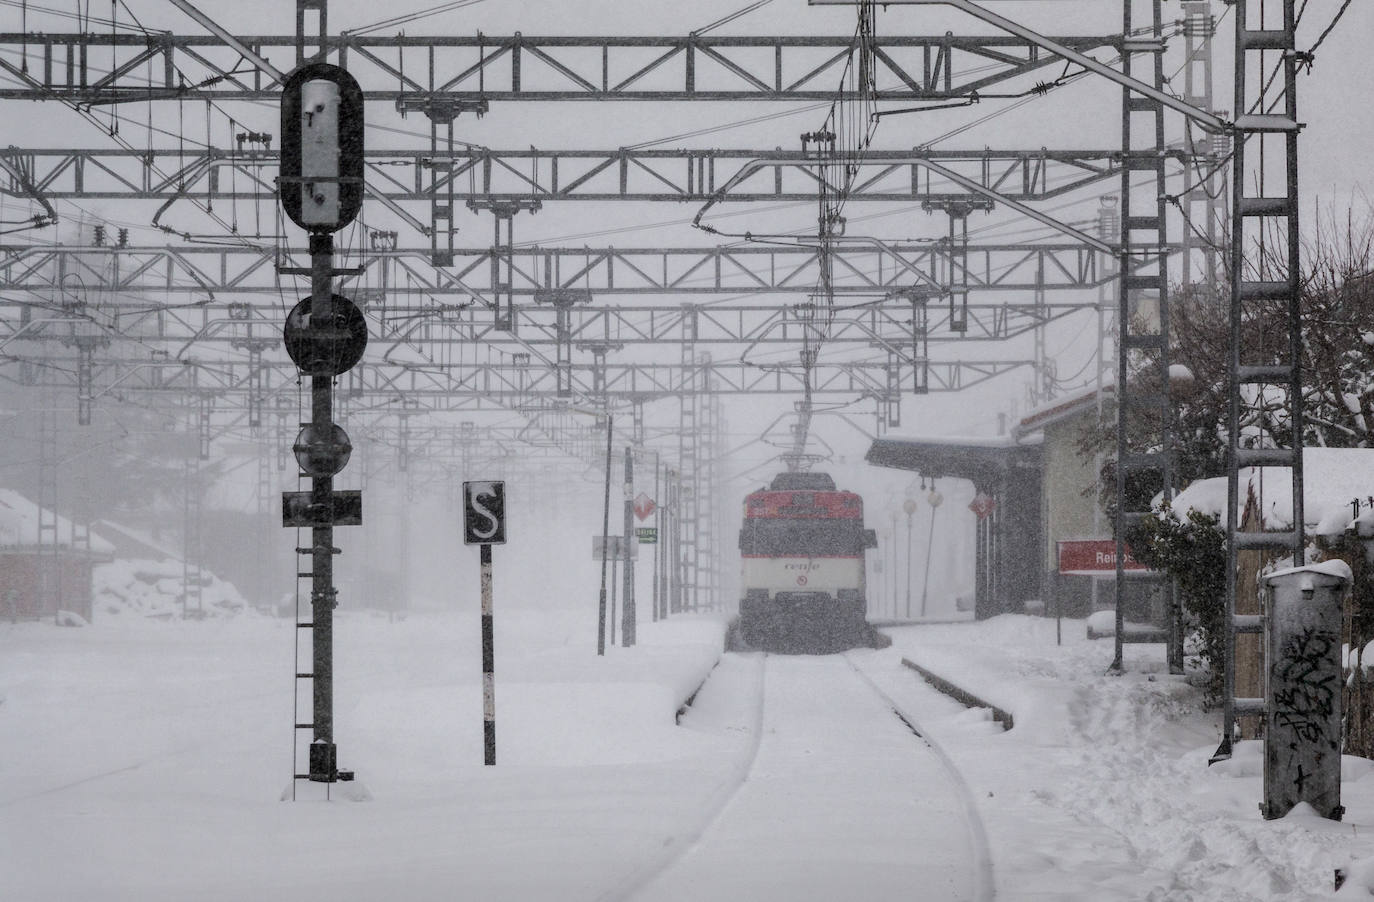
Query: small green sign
{"type": "Point", "coordinates": [647, 535]}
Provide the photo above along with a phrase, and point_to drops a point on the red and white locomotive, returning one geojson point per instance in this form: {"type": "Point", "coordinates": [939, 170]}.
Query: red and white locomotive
{"type": "Point", "coordinates": [802, 566]}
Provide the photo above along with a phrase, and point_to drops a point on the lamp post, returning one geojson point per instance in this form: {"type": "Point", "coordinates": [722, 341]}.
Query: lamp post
{"type": "Point", "coordinates": [909, 508]}
{"type": "Point", "coordinates": [935, 499]}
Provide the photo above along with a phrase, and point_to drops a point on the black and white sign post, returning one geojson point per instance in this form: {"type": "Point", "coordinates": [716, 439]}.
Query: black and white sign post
{"type": "Point", "coordinates": [484, 524]}
{"type": "Point", "coordinates": [321, 190]}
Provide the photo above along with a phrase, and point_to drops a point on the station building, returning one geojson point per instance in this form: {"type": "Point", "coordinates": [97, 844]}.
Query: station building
{"type": "Point", "coordinates": [1035, 489]}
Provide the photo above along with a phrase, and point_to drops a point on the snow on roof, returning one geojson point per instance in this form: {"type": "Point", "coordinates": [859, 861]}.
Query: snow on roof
{"type": "Point", "coordinates": [1332, 478]}
{"type": "Point", "coordinates": [1063, 406]}
{"type": "Point", "coordinates": [970, 441]}
{"type": "Point", "coordinates": [130, 542]}
{"type": "Point", "coordinates": [1335, 567]}
{"type": "Point", "coordinates": [19, 525]}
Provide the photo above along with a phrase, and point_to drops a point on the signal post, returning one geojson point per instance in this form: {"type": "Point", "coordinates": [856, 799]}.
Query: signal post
{"type": "Point", "coordinates": [321, 188]}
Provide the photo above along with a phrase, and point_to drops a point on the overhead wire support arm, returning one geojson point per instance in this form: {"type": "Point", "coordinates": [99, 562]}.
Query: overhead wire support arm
{"type": "Point", "coordinates": [1207, 120]}
{"type": "Point", "coordinates": [227, 37]}
{"type": "Point", "coordinates": [943, 171]}
{"type": "Point", "coordinates": [21, 177]}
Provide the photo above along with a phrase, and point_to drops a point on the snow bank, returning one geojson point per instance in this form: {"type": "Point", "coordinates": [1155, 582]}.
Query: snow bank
{"type": "Point", "coordinates": [993, 671]}
{"type": "Point", "coordinates": [1332, 478]}
{"type": "Point", "coordinates": [161, 753]}
{"type": "Point", "coordinates": [1113, 770]}
{"type": "Point", "coordinates": [144, 588]}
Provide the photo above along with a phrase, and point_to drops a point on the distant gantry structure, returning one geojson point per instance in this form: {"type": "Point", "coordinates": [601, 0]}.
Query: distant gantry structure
{"type": "Point", "coordinates": [841, 304]}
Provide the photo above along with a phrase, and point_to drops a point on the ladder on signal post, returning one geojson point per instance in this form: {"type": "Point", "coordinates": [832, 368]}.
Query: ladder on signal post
{"type": "Point", "coordinates": [304, 672]}
{"type": "Point", "coordinates": [1271, 276]}
{"type": "Point", "coordinates": [303, 765]}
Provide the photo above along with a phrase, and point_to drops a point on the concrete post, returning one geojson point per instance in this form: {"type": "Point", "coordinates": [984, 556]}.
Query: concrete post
{"type": "Point", "coordinates": [1302, 729]}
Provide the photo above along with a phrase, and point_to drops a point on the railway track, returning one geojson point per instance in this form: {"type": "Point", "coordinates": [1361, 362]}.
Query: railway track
{"type": "Point", "coordinates": [835, 793]}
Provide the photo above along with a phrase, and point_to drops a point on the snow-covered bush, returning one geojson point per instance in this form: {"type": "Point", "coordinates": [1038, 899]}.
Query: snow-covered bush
{"type": "Point", "coordinates": [1192, 550]}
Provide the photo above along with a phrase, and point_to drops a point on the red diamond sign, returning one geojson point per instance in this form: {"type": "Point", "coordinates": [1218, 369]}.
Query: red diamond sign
{"type": "Point", "coordinates": [643, 506]}
{"type": "Point", "coordinates": [982, 505]}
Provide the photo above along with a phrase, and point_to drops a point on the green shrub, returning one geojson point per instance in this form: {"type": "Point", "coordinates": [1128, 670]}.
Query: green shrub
{"type": "Point", "coordinates": [1192, 550]}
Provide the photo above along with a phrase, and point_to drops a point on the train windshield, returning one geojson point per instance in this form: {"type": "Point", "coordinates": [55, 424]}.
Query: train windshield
{"type": "Point", "coordinates": [801, 537]}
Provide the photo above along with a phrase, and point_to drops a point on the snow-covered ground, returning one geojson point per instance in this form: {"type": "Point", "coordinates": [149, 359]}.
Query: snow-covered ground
{"type": "Point", "coordinates": [1102, 790]}
{"type": "Point", "coordinates": [145, 759]}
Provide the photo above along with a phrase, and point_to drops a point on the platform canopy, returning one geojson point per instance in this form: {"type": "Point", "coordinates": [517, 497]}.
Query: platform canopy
{"type": "Point", "coordinates": [985, 462]}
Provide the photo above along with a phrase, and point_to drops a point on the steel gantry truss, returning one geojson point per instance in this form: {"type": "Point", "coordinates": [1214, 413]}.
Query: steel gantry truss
{"type": "Point", "coordinates": [423, 325]}
{"type": "Point", "coordinates": [433, 306]}
{"type": "Point", "coordinates": [465, 174]}
{"type": "Point", "coordinates": [484, 386]}
{"type": "Point", "coordinates": [872, 269]}
{"type": "Point", "coordinates": [122, 68]}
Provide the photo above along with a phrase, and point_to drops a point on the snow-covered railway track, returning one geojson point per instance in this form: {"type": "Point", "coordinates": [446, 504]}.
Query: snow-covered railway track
{"type": "Point", "coordinates": [835, 794]}
{"type": "Point", "coordinates": [980, 861]}
{"type": "Point", "coordinates": [732, 698]}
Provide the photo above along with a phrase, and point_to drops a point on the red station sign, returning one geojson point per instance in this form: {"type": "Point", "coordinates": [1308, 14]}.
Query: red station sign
{"type": "Point", "coordinates": [1094, 557]}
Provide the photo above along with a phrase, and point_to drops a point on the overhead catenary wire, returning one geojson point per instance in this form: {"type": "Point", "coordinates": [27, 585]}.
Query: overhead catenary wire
{"type": "Point", "coordinates": [86, 113]}
{"type": "Point", "coordinates": [410, 17]}
{"type": "Point", "coordinates": [26, 6]}
{"type": "Point", "coordinates": [727, 19]}
{"type": "Point", "coordinates": [1335, 20]}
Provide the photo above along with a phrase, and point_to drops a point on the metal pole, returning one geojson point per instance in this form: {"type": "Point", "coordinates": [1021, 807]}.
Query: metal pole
{"type": "Point", "coordinates": [658, 522]}
{"type": "Point", "coordinates": [1123, 359]}
{"type": "Point", "coordinates": [1237, 252]}
{"type": "Point", "coordinates": [664, 521]}
{"type": "Point", "coordinates": [892, 558]}
{"type": "Point", "coordinates": [605, 552]}
{"type": "Point", "coordinates": [324, 762]}
{"type": "Point", "coordinates": [673, 555]}
{"type": "Point", "coordinates": [488, 663]}
{"type": "Point", "coordinates": [627, 623]}
{"type": "Point", "coordinates": [930, 545]}
{"type": "Point", "coordinates": [910, 553]}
